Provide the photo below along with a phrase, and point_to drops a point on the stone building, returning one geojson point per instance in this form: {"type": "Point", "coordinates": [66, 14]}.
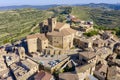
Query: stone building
{"type": "Point", "coordinates": [48, 25]}
{"type": "Point", "coordinates": [117, 48]}
{"type": "Point", "coordinates": [11, 58]}
{"type": "Point", "coordinates": [21, 52]}
{"type": "Point", "coordinates": [98, 43]}
{"type": "Point", "coordinates": [37, 42]}
{"type": "Point", "coordinates": [113, 73]}
{"type": "Point", "coordinates": [50, 51]}
{"type": "Point", "coordinates": [86, 26]}
{"type": "Point", "coordinates": [83, 42]}
{"type": "Point", "coordinates": [78, 24]}
{"type": "Point", "coordinates": [24, 69]}
{"type": "Point", "coordinates": [59, 34]}
{"type": "Point", "coordinates": [101, 71]}
{"type": "Point", "coordinates": [87, 57]}
{"type": "Point", "coordinates": [54, 33]}
{"type": "Point", "coordinates": [108, 34]}
{"type": "Point", "coordinates": [103, 53]}
{"type": "Point", "coordinates": [61, 38]}
{"type": "Point", "coordinates": [42, 75]}
{"type": "Point", "coordinates": [68, 76]}
{"type": "Point", "coordinates": [110, 43]}
{"type": "Point", "coordinates": [4, 71]}
{"type": "Point", "coordinates": [84, 71]}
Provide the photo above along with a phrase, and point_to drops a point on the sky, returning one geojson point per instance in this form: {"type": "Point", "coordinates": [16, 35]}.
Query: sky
{"type": "Point", "coordinates": [46, 2]}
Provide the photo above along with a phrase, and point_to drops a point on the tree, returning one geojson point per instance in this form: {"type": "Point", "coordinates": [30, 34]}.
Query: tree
{"type": "Point", "coordinates": [5, 41]}
{"type": "Point", "coordinates": [61, 18]}
{"type": "Point", "coordinates": [67, 10]}
{"type": "Point", "coordinates": [91, 33]}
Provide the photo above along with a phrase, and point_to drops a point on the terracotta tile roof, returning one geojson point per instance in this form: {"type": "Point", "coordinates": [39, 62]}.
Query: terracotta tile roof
{"type": "Point", "coordinates": [98, 41]}
{"type": "Point", "coordinates": [84, 39]}
{"type": "Point", "coordinates": [88, 55]}
{"type": "Point", "coordinates": [64, 32]}
{"type": "Point", "coordinates": [40, 36]}
{"type": "Point", "coordinates": [4, 72]}
{"type": "Point", "coordinates": [84, 68]}
{"type": "Point", "coordinates": [76, 20]}
{"type": "Point", "coordinates": [103, 68]}
{"type": "Point", "coordinates": [68, 76]}
{"type": "Point", "coordinates": [70, 30]}
{"type": "Point", "coordinates": [104, 51]}
{"type": "Point", "coordinates": [59, 25]}
{"type": "Point", "coordinates": [113, 73]}
{"type": "Point", "coordinates": [42, 75]}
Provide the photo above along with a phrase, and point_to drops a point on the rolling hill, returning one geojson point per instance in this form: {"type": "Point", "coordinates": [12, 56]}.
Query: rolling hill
{"type": "Point", "coordinates": [102, 5]}
{"type": "Point", "coordinates": [41, 7]}
{"type": "Point", "coordinates": [101, 17]}
{"type": "Point", "coordinates": [16, 24]}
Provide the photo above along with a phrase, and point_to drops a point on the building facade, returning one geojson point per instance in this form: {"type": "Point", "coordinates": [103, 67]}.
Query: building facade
{"type": "Point", "coordinates": [53, 33]}
{"type": "Point", "coordinates": [37, 42]}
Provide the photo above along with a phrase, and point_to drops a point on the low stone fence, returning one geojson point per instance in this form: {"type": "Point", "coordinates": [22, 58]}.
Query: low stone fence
{"type": "Point", "coordinates": [55, 51]}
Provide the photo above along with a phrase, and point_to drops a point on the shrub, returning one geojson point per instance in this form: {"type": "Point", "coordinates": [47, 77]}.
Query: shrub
{"type": "Point", "coordinates": [91, 33]}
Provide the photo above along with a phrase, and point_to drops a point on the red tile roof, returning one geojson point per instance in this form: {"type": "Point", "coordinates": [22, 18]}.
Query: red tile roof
{"type": "Point", "coordinates": [59, 25]}
{"type": "Point", "coordinates": [64, 32]}
{"type": "Point", "coordinates": [42, 75]}
{"type": "Point", "coordinates": [40, 36]}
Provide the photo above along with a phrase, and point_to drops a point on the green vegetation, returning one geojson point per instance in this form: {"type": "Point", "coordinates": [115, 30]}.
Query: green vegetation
{"type": "Point", "coordinates": [61, 18]}
{"type": "Point", "coordinates": [106, 18]}
{"type": "Point", "coordinates": [103, 19]}
{"type": "Point", "coordinates": [61, 12]}
{"type": "Point", "coordinates": [68, 69]}
{"type": "Point", "coordinates": [17, 24]}
{"type": "Point", "coordinates": [91, 33]}
{"type": "Point", "coordinates": [81, 12]}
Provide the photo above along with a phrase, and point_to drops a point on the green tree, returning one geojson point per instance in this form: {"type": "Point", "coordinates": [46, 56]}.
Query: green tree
{"type": "Point", "coordinates": [91, 33]}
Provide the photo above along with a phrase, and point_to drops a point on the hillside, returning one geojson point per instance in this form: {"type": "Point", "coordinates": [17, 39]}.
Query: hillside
{"type": "Point", "coordinates": [16, 24]}
{"type": "Point", "coordinates": [102, 5]}
{"type": "Point", "coordinates": [105, 19]}
{"type": "Point", "coordinates": [45, 7]}
{"type": "Point", "coordinates": [101, 17]}
{"type": "Point", "coordinates": [82, 12]}
{"type": "Point", "coordinates": [41, 7]}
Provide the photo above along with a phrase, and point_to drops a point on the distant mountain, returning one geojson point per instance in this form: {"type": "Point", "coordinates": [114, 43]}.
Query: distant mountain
{"type": "Point", "coordinates": [42, 7]}
{"type": "Point", "coordinates": [102, 5]}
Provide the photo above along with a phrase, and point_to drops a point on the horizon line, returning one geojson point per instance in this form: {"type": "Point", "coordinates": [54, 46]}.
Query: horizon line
{"type": "Point", "coordinates": [55, 4]}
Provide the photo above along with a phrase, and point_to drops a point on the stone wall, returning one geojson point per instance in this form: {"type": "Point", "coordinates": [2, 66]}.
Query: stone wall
{"type": "Point", "coordinates": [54, 51]}
{"type": "Point", "coordinates": [36, 45]}
{"type": "Point", "coordinates": [65, 42]}
{"type": "Point", "coordinates": [32, 45]}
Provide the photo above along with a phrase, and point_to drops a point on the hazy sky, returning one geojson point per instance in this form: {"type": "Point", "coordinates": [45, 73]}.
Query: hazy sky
{"type": "Point", "coordinates": [46, 2]}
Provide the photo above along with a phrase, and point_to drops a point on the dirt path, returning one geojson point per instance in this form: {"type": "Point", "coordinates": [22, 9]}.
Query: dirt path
{"type": "Point", "coordinates": [37, 25]}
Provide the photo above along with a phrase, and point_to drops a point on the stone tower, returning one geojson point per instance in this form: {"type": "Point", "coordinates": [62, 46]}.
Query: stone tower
{"type": "Point", "coordinates": [51, 24]}
{"type": "Point", "coordinates": [44, 26]}
{"type": "Point", "coordinates": [21, 52]}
